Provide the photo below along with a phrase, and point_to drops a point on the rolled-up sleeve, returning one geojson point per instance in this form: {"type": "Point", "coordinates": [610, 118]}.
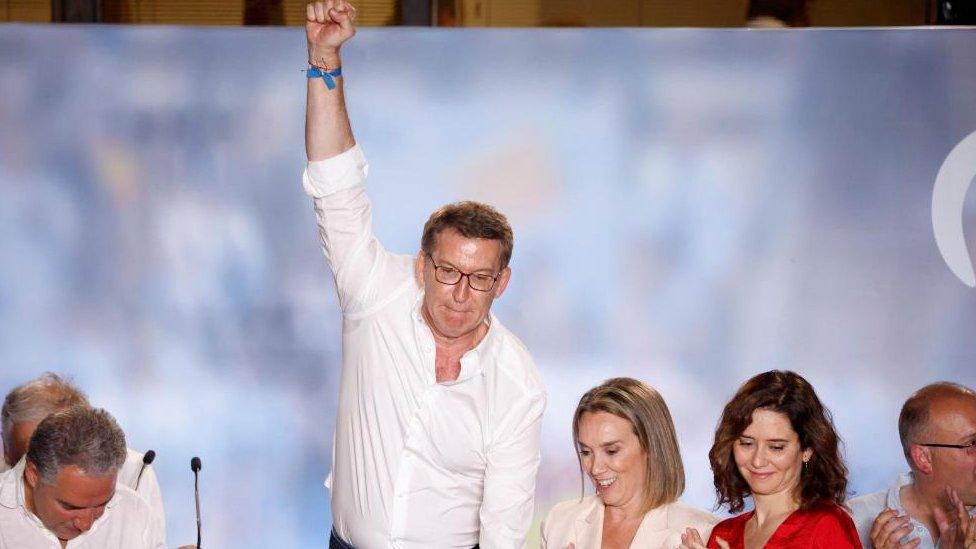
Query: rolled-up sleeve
{"type": "Point", "coordinates": [343, 171]}
{"type": "Point", "coordinates": [364, 271]}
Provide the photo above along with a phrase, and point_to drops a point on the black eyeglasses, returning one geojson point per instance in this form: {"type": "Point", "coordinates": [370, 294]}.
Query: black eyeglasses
{"type": "Point", "coordinates": [968, 446]}
{"type": "Point", "coordinates": [451, 276]}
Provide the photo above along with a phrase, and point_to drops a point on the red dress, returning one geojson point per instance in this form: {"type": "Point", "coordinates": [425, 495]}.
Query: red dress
{"type": "Point", "coordinates": [824, 525]}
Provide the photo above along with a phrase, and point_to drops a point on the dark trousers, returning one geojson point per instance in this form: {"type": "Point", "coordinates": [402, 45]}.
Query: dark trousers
{"type": "Point", "coordinates": [335, 542]}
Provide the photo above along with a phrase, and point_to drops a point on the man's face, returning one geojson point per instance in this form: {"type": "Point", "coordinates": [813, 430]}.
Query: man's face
{"type": "Point", "coordinates": [456, 311]}
{"type": "Point", "coordinates": [18, 438]}
{"type": "Point", "coordinates": [952, 420]}
{"type": "Point", "coordinates": [69, 506]}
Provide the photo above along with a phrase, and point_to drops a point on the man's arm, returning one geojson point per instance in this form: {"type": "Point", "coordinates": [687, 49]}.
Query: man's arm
{"type": "Point", "coordinates": [327, 131]}
{"type": "Point", "coordinates": [365, 273]}
{"type": "Point", "coordinates": [513, 460]}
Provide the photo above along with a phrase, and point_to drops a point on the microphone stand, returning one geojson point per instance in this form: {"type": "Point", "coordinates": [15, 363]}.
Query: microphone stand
{"type": "Point", "coordinates": [195, 466]}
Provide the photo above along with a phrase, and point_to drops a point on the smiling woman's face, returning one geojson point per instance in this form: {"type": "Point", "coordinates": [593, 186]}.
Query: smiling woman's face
{"type": "Point", "coordinates": [613, 458]}
{"type": "Point", "coordinates": [768, 454]}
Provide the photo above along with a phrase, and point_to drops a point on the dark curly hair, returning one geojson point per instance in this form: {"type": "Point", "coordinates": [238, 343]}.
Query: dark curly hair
{"type": "Point", "coordinates": [824, 476]}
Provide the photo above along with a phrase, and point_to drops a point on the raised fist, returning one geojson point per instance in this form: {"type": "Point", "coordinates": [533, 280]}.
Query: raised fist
{"type": "Point", "coordinates": [328, 24]}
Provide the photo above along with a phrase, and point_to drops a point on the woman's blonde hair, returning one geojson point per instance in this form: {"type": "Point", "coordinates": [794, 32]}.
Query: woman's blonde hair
{"type": "Point", "coordinates": [650, 419]}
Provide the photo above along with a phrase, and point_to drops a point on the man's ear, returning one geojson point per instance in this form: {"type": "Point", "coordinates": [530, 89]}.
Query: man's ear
{"type": "Point", "coordinates": [418, 267]}
{"type": "Point", "coordinates": [30, 474]}
{"type": "Point", "coordinates": [502, 282]}
{"type": "Point", "coordinates": [921, 459]}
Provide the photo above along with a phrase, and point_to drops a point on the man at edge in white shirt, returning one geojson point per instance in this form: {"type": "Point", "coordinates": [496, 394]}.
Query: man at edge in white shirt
{"type": "Point", "coordinates": [27, 404]}
{"type": "Point", "coordinates": [933, 505]}
{"type": "Point", "coordinates": [63, 493]}
{"type": "Point", "coordinates": [440, 406]}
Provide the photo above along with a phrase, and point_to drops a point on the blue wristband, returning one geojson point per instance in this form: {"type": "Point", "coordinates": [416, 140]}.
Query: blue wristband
{"type": "Point", "coordinates": [328, 76]}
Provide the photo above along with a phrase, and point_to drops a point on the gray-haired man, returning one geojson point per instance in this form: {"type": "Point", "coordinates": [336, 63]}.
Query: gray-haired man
{"type": "Point", "coordinates": [26, 405]}
{"type": "Point", "coordinates": [64, 493]}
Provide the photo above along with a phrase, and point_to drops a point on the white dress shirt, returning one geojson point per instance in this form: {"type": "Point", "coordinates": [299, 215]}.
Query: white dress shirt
{"type": "Point", "coordinates": [126, 523]}
{"type": "Point", "coordinates": [147, 486]}
{"type": "Point", "coordinates": [581, 523]}
{"type": "Point", "coordinates": [416, 463]}
{"type": "Point", "coordinates": [866, 508]}
{"type": "Point", "coordinates": [128, 474]}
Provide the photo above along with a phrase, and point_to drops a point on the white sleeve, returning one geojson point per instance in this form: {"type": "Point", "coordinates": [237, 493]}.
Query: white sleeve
{"type": "Point", "coordinates": [365, 273]}
{"type": "Point", "coordinates": [513, 461]}
{"type": "Point", "coordinates": [149, 490]}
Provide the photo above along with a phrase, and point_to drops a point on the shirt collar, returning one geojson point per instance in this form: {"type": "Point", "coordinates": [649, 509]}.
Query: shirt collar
{"type": "Point", "coordinates": [656, 519]}
{"type": "Point", "coordinates": [894, 492]}
{"type": "Point", "coordinates": [471, 363]}
{"type": "Point", "coordinates": [894, 502]}
{"type": "Point", "coordinates": [894, 495]}
{"type": "Point", "coordinates": [593, 512]}
{"type": "Point", "coordinates": [12, 493]}
{"type": "Point", "coordinates": [12, 487]}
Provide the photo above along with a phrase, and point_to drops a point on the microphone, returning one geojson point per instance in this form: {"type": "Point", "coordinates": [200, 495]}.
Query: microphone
{"type": "Point", "coordinates": [146, 460]}
{"type": "Point", "coordinates": [195, 467]}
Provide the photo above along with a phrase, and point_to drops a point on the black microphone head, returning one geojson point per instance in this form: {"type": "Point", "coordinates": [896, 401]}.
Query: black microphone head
{"type": "Point", "coordinates": [149, 457]}
{"type": "Point", "coordinates": [195, 464]}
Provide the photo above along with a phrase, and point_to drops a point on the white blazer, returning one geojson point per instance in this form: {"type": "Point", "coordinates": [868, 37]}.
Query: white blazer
{"type": "Point", "coordinates": [581, 523]}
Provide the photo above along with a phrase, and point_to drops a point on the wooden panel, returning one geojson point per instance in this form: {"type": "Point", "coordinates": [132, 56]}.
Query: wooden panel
{"type": "Point", "coordinates": [700, 13]}
{"type": "Point", "coordinates": [591, 13]}
{"type": "Point", "coordinates": [722, 13]}
{"type": "Point", "coordinates": [174, 12]}
{"type": "Point", "coordinates": [294, 12]}
{"type": "Point", "coordinates": [25, 11]}
{"type": "Point", "coordinates": [514, 13]}
{"type": "Point", "coordinates": [228, 12]}
{"type": "Point", "coordinates": [846, 13]}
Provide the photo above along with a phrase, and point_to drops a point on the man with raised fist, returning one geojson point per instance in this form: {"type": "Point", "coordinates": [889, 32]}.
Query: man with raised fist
{"type": "Point", "coordinates": [437, 432]}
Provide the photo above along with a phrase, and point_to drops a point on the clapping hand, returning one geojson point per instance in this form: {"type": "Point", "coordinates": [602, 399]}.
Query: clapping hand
{"type": "Point", "coordinates": [691, 539]}
{"type": "Point", "coordinates": [957, 530]}
{"type": "Point", "coordinates": [890, 528]}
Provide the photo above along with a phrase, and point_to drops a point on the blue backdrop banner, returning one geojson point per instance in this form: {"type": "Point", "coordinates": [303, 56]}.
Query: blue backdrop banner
{"type": "Point", "coordinates": [691, 207]}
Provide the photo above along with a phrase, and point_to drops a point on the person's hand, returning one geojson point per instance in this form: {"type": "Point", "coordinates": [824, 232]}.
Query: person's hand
{"type": "Point", "coordinates": [328, 24]}
{"type": "Point", "coordinates": [691, 539]}
{"type": "Point", "coordinates": [957, 530]}
{"type": "Point", "coordinates": [889, 529]}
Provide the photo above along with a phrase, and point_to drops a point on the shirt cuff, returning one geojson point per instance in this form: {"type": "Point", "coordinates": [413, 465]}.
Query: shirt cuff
{"type": "Point", "coordinates": [343, 171]}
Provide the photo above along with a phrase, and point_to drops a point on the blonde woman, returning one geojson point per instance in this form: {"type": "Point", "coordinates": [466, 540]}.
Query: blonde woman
{"type": "Point", "coordinates": [625, 439]}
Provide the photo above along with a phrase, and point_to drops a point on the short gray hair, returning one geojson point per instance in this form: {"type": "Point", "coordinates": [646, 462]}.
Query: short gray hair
{"type": "Point", "coordinates": [37, 399]}
{"type": "Point", "coordinates": [88, 438]}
